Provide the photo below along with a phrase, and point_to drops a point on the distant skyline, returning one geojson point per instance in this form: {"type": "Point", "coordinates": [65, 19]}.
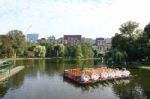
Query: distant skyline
{"type": "Point", "coordinates": [89, 18]}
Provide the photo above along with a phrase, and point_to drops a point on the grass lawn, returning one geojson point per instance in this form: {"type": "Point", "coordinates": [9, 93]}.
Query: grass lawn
{"type": "Point", "coordinates": [140, 66]}
{"type": "Point", "coordinates": [144, 67]}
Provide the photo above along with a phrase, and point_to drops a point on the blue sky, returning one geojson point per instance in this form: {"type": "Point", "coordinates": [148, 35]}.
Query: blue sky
{"type": "Point", "coordinates": [90, 18]}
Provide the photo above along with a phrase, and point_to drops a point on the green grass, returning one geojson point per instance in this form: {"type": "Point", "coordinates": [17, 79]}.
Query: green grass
{"type": "Point", "coordinates": [144, 67]}
{"type": "Point", "coordinates": [140, 66]}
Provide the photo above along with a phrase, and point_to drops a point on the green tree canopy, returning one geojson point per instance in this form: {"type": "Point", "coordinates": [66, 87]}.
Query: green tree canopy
{"type": "Point", "coordinates": [129, 28]}
{"type": "Point", "coordinates": [6, 49]}
{"type": "Point", "coordinates": [17, 38]}
{"type": "Point", "coordinates": [147, 30]}
{"type": "Point", "coordinates": [131, 40]}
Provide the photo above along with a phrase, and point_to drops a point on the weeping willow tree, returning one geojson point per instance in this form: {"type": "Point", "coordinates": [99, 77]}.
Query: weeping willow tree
{"type": "Point", "coordinates": [59, 50]}
{"type": "Point", "coordinates": [87, 50]}
{"type": "Point", "coordinates": [115, 56]}
{"type": "Point", "coordinates": [78, 51]}
{"type": "Point", "coordinates": [40, 51]}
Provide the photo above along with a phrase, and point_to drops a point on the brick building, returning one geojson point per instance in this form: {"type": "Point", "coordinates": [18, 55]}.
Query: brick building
{"type": "Point", "coordinates": [72, 38]}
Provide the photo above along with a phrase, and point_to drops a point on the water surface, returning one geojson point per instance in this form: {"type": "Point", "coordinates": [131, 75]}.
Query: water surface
{"type": "Point", "coordinates": [43, 79]}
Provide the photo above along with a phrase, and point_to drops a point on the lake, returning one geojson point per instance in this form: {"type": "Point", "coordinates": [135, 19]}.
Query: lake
{"type": "Point", "coordinates": [43, 79]}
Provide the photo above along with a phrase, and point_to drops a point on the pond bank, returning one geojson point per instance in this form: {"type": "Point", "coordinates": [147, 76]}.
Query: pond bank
{"type": "Point", "coordinates": [11, 72]}
{"type": "Point", "coordinates": [140, 66]}
{"type": "Point", "coordinates": [144, 67]}
{"type": "Point", "coordinates": [48, 58]}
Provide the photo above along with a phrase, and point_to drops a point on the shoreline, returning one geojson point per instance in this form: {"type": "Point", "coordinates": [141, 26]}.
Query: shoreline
{"type": "Point", "coordinates": [47, 58]}
{"type": "Point", "coordinates": [131, 66]}
{"type": "Point", "coordinates": [23, 58]}
{"type": "Point", "coordinates": [144, 67]}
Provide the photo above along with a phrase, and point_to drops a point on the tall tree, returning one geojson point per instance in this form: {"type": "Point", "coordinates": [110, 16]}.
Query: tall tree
{"type": "Point", "coordinates": [147, 30]}
{"type": "Point", "coordinates": [129, 28]}
{"type": "Point", "coordinates": [6, 49]}
{"type": "Point", "coordinates": [78, 51]}
{"type": "Point", "coordinates": [115, 56]}
{"type": "Point", "coordinates": [147, 39]}
{"type": "Point", "coordinates": [127, 41]}
{"type": "Point", "coordinates": [40, 51]}
{"type": "Point", "coordinates": [17, 37]}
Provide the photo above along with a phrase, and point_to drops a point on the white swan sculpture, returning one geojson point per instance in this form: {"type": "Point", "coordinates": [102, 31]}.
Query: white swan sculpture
{"type": "Point", "coordinates": [95, 76]}
{"type": "Point", "coordinates": [104, 75]}
{"type": "Point", "coordinates": [125, 73]}
{"type": "Point", "coordinates": [85, 78]}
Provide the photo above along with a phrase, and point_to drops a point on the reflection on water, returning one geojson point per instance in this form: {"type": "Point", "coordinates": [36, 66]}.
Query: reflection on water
{"type": "Point", "coordinates": [97, 85]}
{"type": "Point", "coordinates": [3, 89]}
{"type": "Point", "coordinates": [43, 79]}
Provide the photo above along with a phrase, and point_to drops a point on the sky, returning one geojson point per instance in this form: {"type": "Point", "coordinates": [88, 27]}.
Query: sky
{"type": "Point", "coordinates": [90, 18]}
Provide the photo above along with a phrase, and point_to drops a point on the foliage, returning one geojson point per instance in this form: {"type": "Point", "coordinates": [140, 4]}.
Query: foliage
{"type": "Point", "coordinates": [87, 50]}
{"type": "Point", "coordinates": [59, 50]}
{"type": "Point", "coordinates": [147, 30]}
{"type": "Point", "coordinates": [97, 53]}
{"type": "Point", "coordinates": [15, 44]}
{"type": "Point", "coordinates": [129, 28]}
{"type": "Point", "coordinates": [131, 44]}
{"type": "Point", "coordinates": [17, 38]}
{"type": "Point", "coordinates": [50, 51]}
{"type": "Point", "coordinates": [115, 56]}
{"type": "Point", "coordinates": [40, 51]}
{"type": "Point", "coordinates": [78, 51]}
{"type": "Point", "coordinates": [29, 54]}
{"type": "Point", "coordinates": [70, 50]}
{"type": "Point", "coordinates": [6, 49]}
{"type": "Point", "coordinates": [29, 46]}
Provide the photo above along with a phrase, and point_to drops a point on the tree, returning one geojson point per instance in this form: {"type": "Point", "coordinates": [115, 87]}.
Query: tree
{"type": "Point", "coordinates": [147, 30]}
{"type": "Point", "coordinates": [6, 49]}
{"type": "Point", "coordinates": [118, 41]}
{"type": "Point", "coordinates": [130, 44]}
{"type": "Point", "coordinates": [62, 50]}
{"type": "Point", "coordinates": [115, 56]}
{"type": "Point", "coordinates": [40, 51]}
{"type": "Point", "coordinates": [17, 38]}
{"type": "Point", "coordinates": [46, 43]}
{"type": "Point", "coordinates": [146, 36]}
{"type": "Point", "coordinates": [77, 51]}
{"type": "Point", "coordinates": [127, 40]}
{"type": "Point", "coordinates": [129, 28]}
{"type": "Point", "coordinates": [57, 49]}
{"type": "Point", "coordinates": [50, 52]}
{"type": "Point", "coordinates": [87, 50]}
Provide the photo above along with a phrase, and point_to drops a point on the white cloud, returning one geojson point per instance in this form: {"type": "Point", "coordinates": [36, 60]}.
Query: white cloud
{"type": "Point", "coordinates": [91, 18]}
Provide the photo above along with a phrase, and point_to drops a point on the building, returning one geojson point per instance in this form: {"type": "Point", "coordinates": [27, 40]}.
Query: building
{"type": "Point", "coordinates": [32, 37]}
{"type": "Point", "coordinates": [52, 37]}
{"type": "Point", "coordinates": [72, 38]}
{"type": "Point", "coordinates": [102, 44]}
{"type": "Point", "coordinates": [107, 43]}
{"type": "Point", "coordinates": [60, 40]}
{"type": "Point", "coordinates": [88, 40]}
